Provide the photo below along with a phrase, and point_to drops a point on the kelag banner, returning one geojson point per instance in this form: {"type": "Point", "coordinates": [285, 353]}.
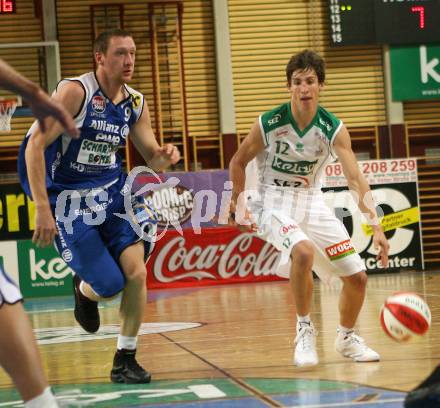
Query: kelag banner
{"type": "Point", "coordinates": [415, 72]}
{"type": "Point", "coordinates": [42, 271]}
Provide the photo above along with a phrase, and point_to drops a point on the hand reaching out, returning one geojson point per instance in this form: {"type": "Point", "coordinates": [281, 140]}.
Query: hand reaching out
{"type": "Point", "coordinates": [45, 227]}
{"type": "Point", "coordinates": [243, 220]}
{"type": "Point", "coordinates": [43, 106]}
{"type": "Point", "coordinates": [169, 153]}
{"type": "Point", "coordinates": [381, 244]}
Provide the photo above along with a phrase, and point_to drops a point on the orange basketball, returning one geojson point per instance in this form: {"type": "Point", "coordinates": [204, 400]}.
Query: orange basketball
{"type": "Point", "coordinates": [405, 315]}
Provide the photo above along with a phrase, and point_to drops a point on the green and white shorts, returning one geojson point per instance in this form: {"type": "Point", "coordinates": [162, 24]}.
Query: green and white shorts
{"type": "Point", "coordinates": [286, 220]}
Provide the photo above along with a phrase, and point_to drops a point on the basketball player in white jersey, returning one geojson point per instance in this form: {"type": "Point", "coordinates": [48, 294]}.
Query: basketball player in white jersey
{"type": "Point", "coordinates": [292, 145]}
{"type": "Point", "coordinates": [18, 350]}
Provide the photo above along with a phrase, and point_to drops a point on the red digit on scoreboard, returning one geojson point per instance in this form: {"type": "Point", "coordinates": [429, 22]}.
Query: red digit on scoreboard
{"type": "Point", "coordinates": [7, 6]}
{"type": "Point", "coordinates": [421, 11]}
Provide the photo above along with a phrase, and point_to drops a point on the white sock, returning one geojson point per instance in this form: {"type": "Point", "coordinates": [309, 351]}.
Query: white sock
{"type": "Point", "coordinates": [344, 331]}
{"type": "Point", "coordinates": [46, 399]}
{"type": "Point", "coordinates": [127, 343]}
{"type": "Point", "coordinates": [303, 319]}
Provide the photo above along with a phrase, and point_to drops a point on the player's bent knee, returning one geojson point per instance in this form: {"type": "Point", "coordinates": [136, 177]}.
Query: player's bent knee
{"type": "Point", "coordinates": [303, 253]}
{"type": "Point", "coordinates": [358, 280]}
{"type": "Point", "coordinates": [138, 274]}
{"type": "Point", "coordinates": [112, 287]}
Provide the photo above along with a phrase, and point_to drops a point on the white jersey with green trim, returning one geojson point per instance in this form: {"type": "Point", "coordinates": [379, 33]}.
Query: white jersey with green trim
{"type": "Point", "coordinates": [293, 158]}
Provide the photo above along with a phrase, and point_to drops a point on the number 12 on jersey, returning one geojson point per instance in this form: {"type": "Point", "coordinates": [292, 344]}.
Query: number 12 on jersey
{"type": "Point", "coordinates": [282, 147]}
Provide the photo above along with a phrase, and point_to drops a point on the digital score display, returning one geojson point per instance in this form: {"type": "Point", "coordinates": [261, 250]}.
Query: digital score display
{"type": "Point", "coordinates": [395, 22]}
{"type": "Point", "coordinates": [7, 6]}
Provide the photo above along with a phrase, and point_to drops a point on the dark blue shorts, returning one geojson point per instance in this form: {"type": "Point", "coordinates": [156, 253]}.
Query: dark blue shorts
{"type": "Point", "coordinates": [93, 251]}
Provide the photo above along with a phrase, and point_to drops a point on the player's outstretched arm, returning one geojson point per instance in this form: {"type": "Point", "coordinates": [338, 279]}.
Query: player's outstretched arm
{"type": "Point", "coordinates": [40, 103]}
{"type": "Point", "coordinates": [362, 193]}
{"type": "Point", "coordinates": [156, 157]}
{"type": "Point", "coordinates": [71, 95]}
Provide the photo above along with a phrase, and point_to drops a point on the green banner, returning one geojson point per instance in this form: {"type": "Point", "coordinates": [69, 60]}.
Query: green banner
{"type": "Point", "coordinates": [42, 271]}
{"type": "Point", "coordinates": [415, 72]}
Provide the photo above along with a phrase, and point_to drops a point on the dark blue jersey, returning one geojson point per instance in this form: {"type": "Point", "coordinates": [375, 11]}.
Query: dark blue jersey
{"type": "Point", "coordinates": [92, 160]}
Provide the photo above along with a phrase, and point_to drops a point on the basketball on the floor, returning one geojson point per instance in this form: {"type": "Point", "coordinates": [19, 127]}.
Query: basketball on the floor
{"type": "Point", "coordinates": [404, 316]}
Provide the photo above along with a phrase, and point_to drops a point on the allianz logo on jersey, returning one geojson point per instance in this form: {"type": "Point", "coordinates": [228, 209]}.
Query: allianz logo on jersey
{"type": "Point", "coordinates": [104, 126]}
{"type": "Point", "coordinates": [303, 168]}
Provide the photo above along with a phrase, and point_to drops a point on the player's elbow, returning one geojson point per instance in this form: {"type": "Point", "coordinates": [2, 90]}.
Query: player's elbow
{"type": "Point", "coordinates": [236, 164]}
{"type": "Point", "coordinates": [34, 148]}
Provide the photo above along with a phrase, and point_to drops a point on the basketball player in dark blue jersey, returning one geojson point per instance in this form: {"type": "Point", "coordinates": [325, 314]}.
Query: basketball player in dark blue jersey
{"type": "Point", "coordinates": [107, 257]}
{"type": "Point", "coordinates": [19, 354]}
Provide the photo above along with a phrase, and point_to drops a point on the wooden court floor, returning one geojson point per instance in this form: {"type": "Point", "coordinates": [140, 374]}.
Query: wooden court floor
{"type": "Point", "coordinates": [232, 345]}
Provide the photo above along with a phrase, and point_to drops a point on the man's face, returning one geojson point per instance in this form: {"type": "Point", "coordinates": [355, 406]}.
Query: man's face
{"type": "Point", "coordinates": [118, 61]}
{"type": "Point", "coordinates": [304, 89]}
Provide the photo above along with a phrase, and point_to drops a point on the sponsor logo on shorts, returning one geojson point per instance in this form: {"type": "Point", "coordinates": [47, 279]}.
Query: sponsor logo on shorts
{"type": "Point", "coordinates": [286, 229]}
{"type": "Point", "coordinates": [98, 104]}
{"type": "Point", "coordinates": [340, 250]}
{"type": "Point", "coordinates": [67, 255]}
{"type": "Point", "coordinates": [60, 234]}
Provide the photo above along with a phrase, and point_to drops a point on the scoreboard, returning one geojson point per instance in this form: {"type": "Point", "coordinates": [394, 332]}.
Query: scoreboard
{"type": "Point", "coordinates": [395, 22]}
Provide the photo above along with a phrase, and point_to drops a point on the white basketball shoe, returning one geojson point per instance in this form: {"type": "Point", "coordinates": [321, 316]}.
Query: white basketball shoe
{"type": "Point", "coordinates": [353, 346]}
{"type": "Point", "coordinates": [305, 349]}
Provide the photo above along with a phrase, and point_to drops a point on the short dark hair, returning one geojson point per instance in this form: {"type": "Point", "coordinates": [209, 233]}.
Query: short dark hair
{"type": "Point", "coordinates": [103, 39]}
{"type": "Point", "coordinates": [304, 60]}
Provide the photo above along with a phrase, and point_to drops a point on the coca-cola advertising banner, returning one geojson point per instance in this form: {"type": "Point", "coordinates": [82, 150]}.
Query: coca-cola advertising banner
{"type": "Point", "coordinates": [218, 256]}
